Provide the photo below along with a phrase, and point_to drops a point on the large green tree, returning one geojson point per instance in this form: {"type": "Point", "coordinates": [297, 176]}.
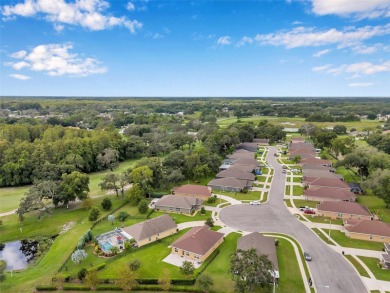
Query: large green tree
{"type": "Point", "coordinates": [250, 270]}
{"type": "Point", "coordinates": [73, 186]}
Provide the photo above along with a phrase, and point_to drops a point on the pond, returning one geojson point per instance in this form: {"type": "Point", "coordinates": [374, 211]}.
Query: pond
{"type": "Point", "coordinates": [17, 254]}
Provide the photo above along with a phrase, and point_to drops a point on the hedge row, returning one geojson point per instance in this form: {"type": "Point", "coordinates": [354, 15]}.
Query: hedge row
{"type": "Point", "coordinates": [155, 288]}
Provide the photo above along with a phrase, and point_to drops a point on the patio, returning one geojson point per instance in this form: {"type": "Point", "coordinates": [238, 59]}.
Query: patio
{"type": "Point", "coordinates": [177, 260]}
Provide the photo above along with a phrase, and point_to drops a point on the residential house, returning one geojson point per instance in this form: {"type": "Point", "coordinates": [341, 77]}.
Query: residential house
{"type": "Point", "coordinates": [181, 204]}
{"type": "Point", "coordinates": [343, 210]}
{"type": "Point", "coordinates": [324, 193]}
{"type": "Point", "coordinates": [385, 260]}
{"type": "Point", "coordinates": [317, 167]}
{"type": "Point", "coordinates": [229, 184]}
{"type": "Point", "coordinates": [200, 191]}
{"type": "Point", "coordinates": [326, 182]}
{"type": "Point", "coordinates": [263, 246]}
{"type": "Point", "coordinates": [236, 174]}
{"type": "Point", "coordinates": [320, 174]}
{"type": "Point", "coordinates": [367, 230]}
{"type": "Point", "coordinates": [241, 168]}
{"type": "Point", "coordinates": [150, 230]}
{"type": "Point", "coordinates": [315, 161]}
{"type": "Point", "coordinates": [247, 161]}
{"type": "Point", "coordinates": [261, 141]}
{"type": "Point", "coordinates": [197, 244]}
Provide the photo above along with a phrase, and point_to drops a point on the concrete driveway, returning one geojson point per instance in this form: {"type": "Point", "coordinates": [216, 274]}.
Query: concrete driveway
{"type": "Point", "coordinates": [330, 272]}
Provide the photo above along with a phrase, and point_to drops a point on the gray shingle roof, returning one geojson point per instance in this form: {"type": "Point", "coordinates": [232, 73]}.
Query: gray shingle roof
{"type": "Point", "coordinates": [229, 182]}
{"type": "Point", "coordinates": [344, 207]}
{"type": "Point", "coordinates": [236, 174]}
{"type": "Point", "coordinates": [178, 201]}
{"type": "Point", "coordinates": [150, 227]}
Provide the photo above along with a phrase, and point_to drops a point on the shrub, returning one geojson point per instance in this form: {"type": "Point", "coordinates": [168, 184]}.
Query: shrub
{"type": "Point", "coordinates": [46, 288]}
{"type": "Point", "coordinates": [187, 268]}
{"type": "Point", "coordinates": [81, 274]}
{"type": "Point", "coordinates": [202, 210]}
{"type": "Point", "coordinates": [106, 204]}
{"type": "Point", "coordinates": [209, 222]}
{"type": "Point", "coordinates": [143, 206]}
{"type": "Point", "coordinates": [204, 282]}
{"type": "Point", "coordinates": [135, 265]}
{"type": "Point", "coordinates": [76, 288]}
{"type": "Point", "coordinates": [212, 199]}
{"type": "Point", "coordinates": [94, 214]}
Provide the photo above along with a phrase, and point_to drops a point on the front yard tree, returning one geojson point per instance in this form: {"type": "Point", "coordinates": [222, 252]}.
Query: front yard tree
{"type": "Point", "coordinates": [106, 204]}
{"type": "Point", "coordinates": [126, 279]}
{"type": "Point", "coordinates": [123, 216]}
{"type": "Point", "coordinates": [187, 268]}
{"type": "Point", "coordinates": [91, 279]}
{"type": "Point", "coordinates": [296, 159]}
{"type": "Point", "coordinates": [111, 219]}
{"type": "Point", "coordinates": [340, 129]}
{"type": "Point", "coordinates": [143, 176]}
{"type": "Point", "coordinates": [165, 280]}
{"type": "Point", "coordinates": [78, 256]}
{"type": "Point", "coordinates": [74, 185]}
{"type": "Point", "coordinates": [250, 270]}
{"type": "Point", "coordinates": [143, 206]}
{"type": "Point", "coordinates": [204, 282]}
{"type": "Point", "coordinates": [94, 214]}
{"type": "Point", "coordinates": [209, 222]}
{"type": "Point", "coordinates": [135, 265]}
{"type": "Point", "coordinates": [135, 194]}
{"type": "Point", "coordinates": [111, 181]}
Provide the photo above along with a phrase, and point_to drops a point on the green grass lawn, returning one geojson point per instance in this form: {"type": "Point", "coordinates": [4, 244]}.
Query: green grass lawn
{"type": "Point", "coordinates": [217, 202]}
{"type": "Point", "coordinates": [49, 225]}
{"type": "Point", "coordinates": [150, 257]}
{"type": "Point", "coordinates": [324, 220]}
{"type": "Point", "coordinates": [286, 161]}
{"type": "Point", "coordinates": [181, 218]}
{"type": "Point", "coordinates": [343, 240]}
{"type": "Point", "coordinates": [372, 263]}
{"type": "Point", "coordinates": [288, 189]}
{"type": "Point", "coordinates": [218, 269]}
{"type": "Point", "coordinates": [302, 202]}
{"type": "Point", "coordinates": [288, 203]}
{"type": "Point", "coordinates": [215, 228]}
{"type": "Point", "coordinates": [297, 179]}
{"type": "Point", "coordinates": [357, 265]}
{"type": "Point", "coordinates": [297, 190]}
{"type": "Point", "coordinates": [261, 178]}
{"type": "Point", "coordinates": [251, 195]}
{"type": "Point", "coordinates": [348, 174]}
{"type": "Point", "coordinates": [322, 236]}
{"type": "Point", "coordinates": [375, 205]}
{"type": "Point", "coordinates": [10, 198]}
{"type": "Point", "coordinates": [265, 197]}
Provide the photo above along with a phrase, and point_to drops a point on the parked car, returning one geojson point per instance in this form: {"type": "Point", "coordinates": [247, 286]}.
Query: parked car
{"type": "Point", "coordinates": [309, 212]}
{"type": "Point", "coordinates": [255, 203]}
{"type": "Point", "coordinates": [284, 167]}
{"type": "Point", "coordinates": [284, 171]}
{"type": "Point", "coordinates": [302, 208]}
{"type": "Point", "coordinates": [295, 170]}
{"type": "Point", "coordinates": [307, 256]}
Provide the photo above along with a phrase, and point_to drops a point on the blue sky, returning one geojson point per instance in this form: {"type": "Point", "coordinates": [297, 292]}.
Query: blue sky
{"type": "Point", "coordinates": [195, 48]}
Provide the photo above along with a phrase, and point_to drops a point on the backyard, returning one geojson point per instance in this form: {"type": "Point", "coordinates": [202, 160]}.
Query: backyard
{"type": "Point", "coordinates": [181, 218]}
{"type": "Point", "coordinates": [375, 205]}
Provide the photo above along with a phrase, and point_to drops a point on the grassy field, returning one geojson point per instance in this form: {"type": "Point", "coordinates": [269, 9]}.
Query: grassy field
{"type": "Point", "coordinates": [298, 122]}
{"type": "Point", "coordinates": [372, 263]}
{"type": "Point", "coordinates": [322, 236]}
{"type": "Point", "coordinates": [10, 197]}
{"type": "Point", "coordinates": [297, 190]}
{"type": "Point", "coordinates": [181, 218]}
{"type": "Point", "coordinates": [324, 220]}
{"type": "Point", "coordinates": [357, 265]}
{"type": "Point", "coordinates": [343, 240]}
{"type": "Point", "coordinates": [251, 195]}
{"type": "Point", "coordinates": [302, 202]}
{"type": "Point", "coordinates": [375, 205]}
{"type": "Point", "coordinates": [150, 257]}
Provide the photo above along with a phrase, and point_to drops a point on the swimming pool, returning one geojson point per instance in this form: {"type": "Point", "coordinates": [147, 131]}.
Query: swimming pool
{"type": "Point", "coordinates": [106, 246]}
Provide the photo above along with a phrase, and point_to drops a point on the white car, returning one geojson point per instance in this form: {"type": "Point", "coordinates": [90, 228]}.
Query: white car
{"type": "Point", "coordinates": [255, 203]}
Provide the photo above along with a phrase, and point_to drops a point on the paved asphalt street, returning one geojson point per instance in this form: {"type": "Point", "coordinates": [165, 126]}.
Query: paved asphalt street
{"type": "Point", "coordinates": [330, 272]}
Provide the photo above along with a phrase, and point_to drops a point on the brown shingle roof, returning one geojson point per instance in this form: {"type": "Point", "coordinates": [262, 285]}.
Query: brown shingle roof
{"type": "Point", "coordinates": [192, 189]}
{"type": "Point", "coordinates": [178, 201]}
{"type": "Point", "coordinates": [314, 161]}
{"type": "Point", "coordinates": [198, 240]}
{"type": "Point", "coordinates": [320, 174]}
{"type": "Point", "coordinates": [236, 174]}
{"type": "Point", "coordinates": [246, 161]}
{"type": "Point", "coordinates": [229, 182]}
{"type": "Point", "coordinates": [262, 244]}
{"type": "Point", "coordinates": [241, 168]}
{"type": "Point", "coordinates": [329, 182]}
{"type": "Point", "coordinates": [150, 227]}
{"type": "Point", "coordinates": [368, 227]}
{"type": "Point", "coordinates": [329, 192]}
{"type": "Point", "coordinates": [316, 167]}
{"type": "Point", "coordinates": [302, 151]}
{"type": "Point", "coordinates": [344, 207]}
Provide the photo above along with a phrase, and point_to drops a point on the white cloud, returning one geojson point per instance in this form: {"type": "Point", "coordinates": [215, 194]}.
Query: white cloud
{"type": "Point", "coordinates": [355, 69]}
{"type": "Point", "coordinates": [297, 22]}
{"type": "Point", "coordinates": [20, 76]}
{"type": "Point", "coordinates": [244, 41]}
{"type": "Point", "coordinates": [19, 54]}
{"type": "Point", "coordinates": [89, 14]}
{"type": "Point", "coordinates": [321, 68]}
{"type": "Point", "coordinates": [355, 8]}
{"type": "Point", "coordinates": [321, 53]}
{"type": "Point", "coordinates": [57, 60]}
{"type": "Point", "coordinates": [361, 84]}
{"type": "Point", "coordinates": [130, 6]}
{"type": "Point", "coordinates": [157, 36]}
{"type": "Point", "coordinates": [305, 36]}
{"type": "Point", "coordinates": [225, 40]}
